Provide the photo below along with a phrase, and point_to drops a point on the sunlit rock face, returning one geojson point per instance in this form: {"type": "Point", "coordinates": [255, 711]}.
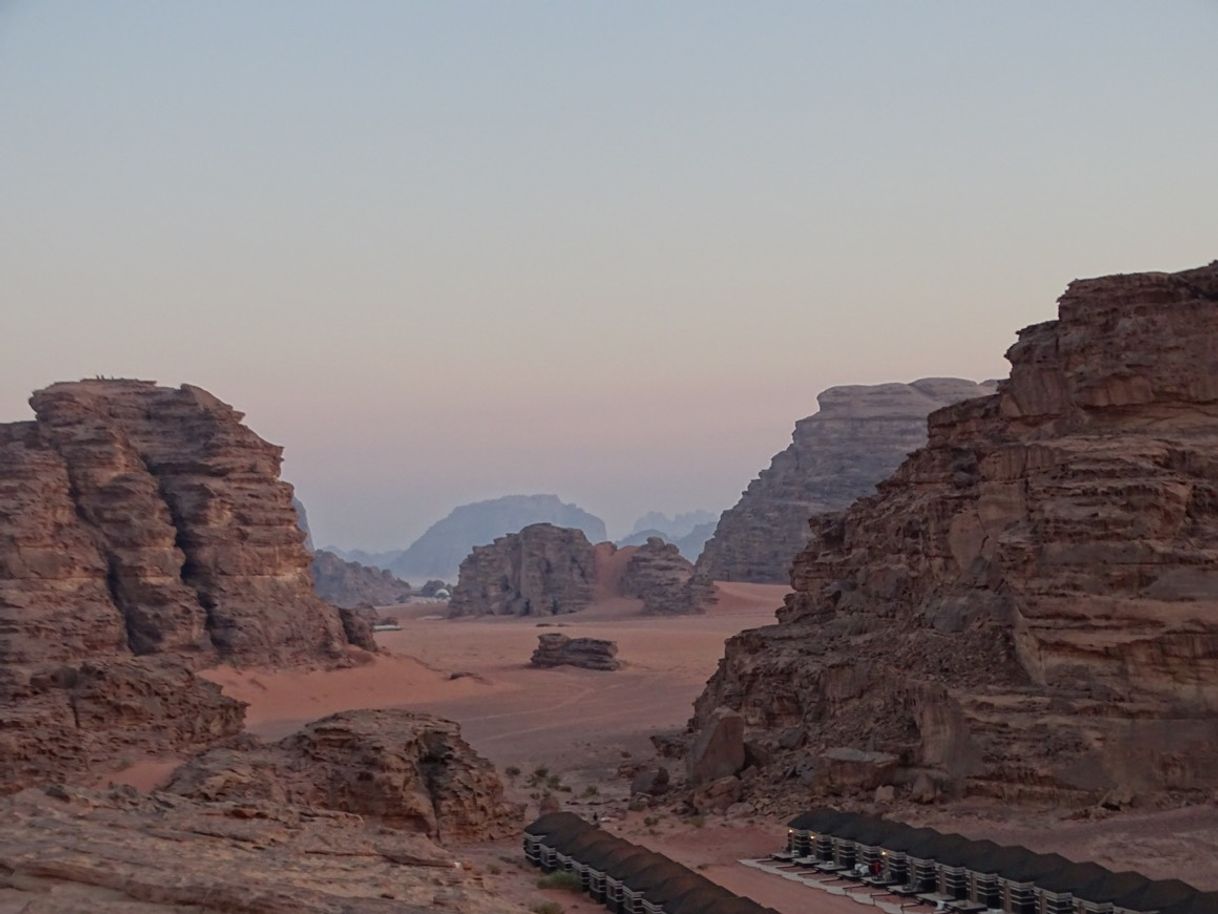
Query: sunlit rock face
{"type": "Point", "coordinates": [144, 531]}
{"type": "Point", "coordinates": [1028, 607]}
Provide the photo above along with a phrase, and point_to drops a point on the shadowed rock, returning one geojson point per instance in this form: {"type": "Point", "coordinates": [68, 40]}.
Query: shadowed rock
{"type": "Point", "coordinates": [588, 653]}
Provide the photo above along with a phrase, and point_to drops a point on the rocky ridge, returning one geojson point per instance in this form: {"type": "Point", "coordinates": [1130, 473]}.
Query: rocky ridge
{"type": "Point", "coordinates": [543, 570]}
{"type": "Point", "coordinates": [859, 436]}
{"type": "Point", "coordinates": [68, 850]}
{"type": "Point", "coordinates": [411, 771]}
{"type": "Point", "coordinates": [1028, 607]}
{"type": "Point", "coordinates": [349, 584]}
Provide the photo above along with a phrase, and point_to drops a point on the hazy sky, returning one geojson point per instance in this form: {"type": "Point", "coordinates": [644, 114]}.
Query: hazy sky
{"type": "Point", "coordinates": [451, 250]}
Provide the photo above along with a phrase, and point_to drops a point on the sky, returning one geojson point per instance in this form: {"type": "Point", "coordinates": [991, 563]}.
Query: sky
{"type": "Point", "coordinates": [445, 251]}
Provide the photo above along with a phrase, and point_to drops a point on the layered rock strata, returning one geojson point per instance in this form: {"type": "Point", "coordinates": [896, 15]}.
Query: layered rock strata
{"type": "Point", "coordinates": [350, 584]}
{"type": "Point", "coordinates": [66, 851]}
{"type": "Point", "coordinates": [659, 575]}
{"type": "Point", "coordinates": [143, 531]}
{"type": "Point", "coordinates": [1028, 607]}
{"type": "Point", "coordinates": [858, 437]}
{"type": "Point", "coordinates": [405, 770]}
{"type": "Point", "coordinates": [541, 571]}
{"type": "Point", "coordinates": [588, 653]}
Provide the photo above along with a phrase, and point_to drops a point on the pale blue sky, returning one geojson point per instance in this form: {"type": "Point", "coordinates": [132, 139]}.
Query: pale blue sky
{"type": "Point", "coordinates": [445, 251]}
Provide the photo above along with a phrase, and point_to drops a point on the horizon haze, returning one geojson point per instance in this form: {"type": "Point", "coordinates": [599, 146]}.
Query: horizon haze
{"type": "Point", "coordinates": [449, 252]}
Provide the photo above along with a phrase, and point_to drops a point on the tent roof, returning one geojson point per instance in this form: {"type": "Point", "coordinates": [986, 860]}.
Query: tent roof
{"type": "Point", "coordinates": [1118, 885]}
{"type": "Point", "coordinates": [553, 822]}
{"type": "Point", "coordinates": [941, 846]}
{"type": "Point", "coordinates": [910, 840]}
{"type": "Point", "coordinates": [1159, 895]}
{"type": "Point", "coordinates": [822, 818]}
{"type": "Point", "coordinates": [582, 845]}
{"type": "Point", "coordinates": [699, 901]}
{"type": "Point", "coordinates": [1073, 878]}
{"type": "Point", "coordinates": [1032, 867]}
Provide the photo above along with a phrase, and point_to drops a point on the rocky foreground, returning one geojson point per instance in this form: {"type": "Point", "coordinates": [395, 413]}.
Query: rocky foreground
{"type": "Point", "coordinates": [858, 437]}
{"type": "Point", "coordinates": [1028, 608]}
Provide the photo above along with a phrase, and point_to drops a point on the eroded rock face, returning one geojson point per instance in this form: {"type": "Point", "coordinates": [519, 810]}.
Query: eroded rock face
{"type": "Point", "coordinates": [859, 436]}
{"type": "Point", "coordinates": [350, 584]}
{"type": "Point", "coordinates": [658, 575]}
{"type": "Point", "coordinates": [589, 653]}
{"type": "Point", "coordinates": [541, 571]}
{"type": "Point", "coordinates": [1028, 607]}
{"type": "Point", "coordinates": [144, 532]}
{"type": "Point", "coordinates": [64, 851]}
{"type": "Point", "coordinates": [406, 770]}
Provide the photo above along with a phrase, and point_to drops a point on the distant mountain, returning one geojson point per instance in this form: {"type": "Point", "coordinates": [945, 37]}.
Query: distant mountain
{"type": "Point", "coordinates": [438, 552]}
{"type": "Point", "coordinates": [349, 584]}
{"type": "Point", "coordinates": [302, 521]}
{"type": "Point", "coordinates": [671, 528]}
{"type": "Point", "coordinates": [690, 544]}
{"type": "Point", "coordinates": [363, 557]}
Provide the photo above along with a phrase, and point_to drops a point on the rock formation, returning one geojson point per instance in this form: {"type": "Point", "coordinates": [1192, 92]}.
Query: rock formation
{"type": "Point", "coordinates": [350, 584]}
{"type": "Point", "coordinates": [860, 436]}
{"type": "Point", "coordinates": [541, 571]}
{"type": "Point", "coordinates": [589, 653]}
{"type": "Point", "coordinates": [439, 552]}
{"type": "Point", "coordinates": [658, 575]}
{"type": "Point", "coordinates": [143, 530]}
{"type": "Point", "coordinates": [402, 769]}
{"type": "Point", "coordinates": [1028, 607]}
{"type": "Point", "coordinates": [67, 850]}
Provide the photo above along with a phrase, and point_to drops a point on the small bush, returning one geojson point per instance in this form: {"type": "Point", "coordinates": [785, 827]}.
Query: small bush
{"type": "Point", "coordinates": [547, 907]}
{"type": "Point", "coordinates": [494, 869]}
{"type": "Point", "coordinates": [561, 879]}
{"type": "Point", "coordinates": [554, 782]}
{"type": "Point", "coordinates": [697, 821]}
{"type": "Point", "coordinates": [651, 821]}
{"type": "Point", "coordinates": [591, 790]}
{"type": "Point", "coordinates": [512, 772]}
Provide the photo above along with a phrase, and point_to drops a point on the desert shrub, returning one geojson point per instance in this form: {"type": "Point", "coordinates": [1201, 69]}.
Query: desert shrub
{"type": "Point", "coordinates": [697, 821]}
{"type": "Point", "coordinates": [547, 907]}
{"type": "Point", "coordinates": [561, 879]}
{"type": "Point", "coordinates": [591, 790]}
{"type": "Point", "coordinates": [512, 772]}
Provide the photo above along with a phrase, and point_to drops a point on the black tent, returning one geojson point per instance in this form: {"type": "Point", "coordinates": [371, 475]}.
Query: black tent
{"type": "Point", "coordinates": [822, 819]}
{"type": "Point", "coordinates": [909, 841]}
{"type": "Point", "coordinates": [699, 901]}
{"type": "Point", "coordinates": [553, 822]}
{"type": "Point", "coordinates": [1124, 884]}
{"type": "Point", "coordinates": [1075, 878]}
{"type": "Point", "coordinates": [1200, 903]}
{"type": "Point", "coordinates": [942, 847]}
{"type": "Point", "coordinates": [1032, 867]}
{"type": "Point", "coordinates": [1159, 895]}
{"type": "Point", "coordinates": [580, 844]}
{"type": "Point", "coordinates": [972, 855]}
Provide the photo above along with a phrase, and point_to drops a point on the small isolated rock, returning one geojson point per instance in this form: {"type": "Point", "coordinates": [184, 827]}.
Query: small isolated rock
{"type": "Point", "coordinates": [718, 748]}
{"type": "Point", "coordinates": [885, 793]}
{"type": "Point", "coordinates": [716, 796]}
{"type": "Point", "coordinates": [846, 767]}
{"type": "Point", "coordinates": [587, 653]}
{"type": "Point", "coordinates": [639, 802]}
{"type": "Point", "coordinates": [739, 810]}
{"type": "Point", "coordinates": [924, 789]}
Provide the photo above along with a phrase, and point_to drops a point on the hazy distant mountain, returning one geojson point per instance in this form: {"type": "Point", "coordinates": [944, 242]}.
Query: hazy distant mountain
{"type": "Point", "coordinates": [302, 521]}
{"type": "Point", "coordinates": [371, 559]}
{"type": "Point", "coordinates": [672, 528]}
{"type": "Point", "coordinates": [439, 551]}
{"type": "Point", "coordinates": [690, 544]}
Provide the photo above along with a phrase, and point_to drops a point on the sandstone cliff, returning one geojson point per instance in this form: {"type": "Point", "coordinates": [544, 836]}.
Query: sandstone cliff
{"type": "Point", "coordinates": [541, 571]}
{"type": "Point", "coordinates": [858, 437]}
{"type": "Point", "coordinates": [1028, 607]}
{"type": "Point", "coordinates": [143, 531]}
{"type": "Point", "coordinates": [350, 584]}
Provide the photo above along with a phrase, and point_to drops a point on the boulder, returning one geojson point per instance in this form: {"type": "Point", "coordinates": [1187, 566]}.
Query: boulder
{"type": "Point", "coordinates": [651, 781]}
{"type": "Point", "coordinates": [556, 649]}
{"type": "Point", "coordinates": [717, 750]}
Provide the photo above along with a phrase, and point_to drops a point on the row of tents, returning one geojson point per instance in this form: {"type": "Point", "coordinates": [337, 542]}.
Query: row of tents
{"type": "Point", "coordinates": [970, 876]}
{"type": "Point", "coordinates": [627, 878]}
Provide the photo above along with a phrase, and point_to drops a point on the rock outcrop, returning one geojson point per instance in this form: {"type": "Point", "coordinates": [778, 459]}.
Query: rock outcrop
{"type": "Point", "coordinates": [439, 552]}
{"type": "Point", "coordinates": [588, 653]}
{"type": "Point", "coordinates": [1028, 607]}
{"type": "Point", "coordinates": [541, 571]}
{"type": "Point", "coordinates": [350, 584]}
{"type": "Point", "coordinates": [658, 575]}
{"type": "Point", "coordinates": [402, 769]}
{"type": "Point", "coordinates": [66, 851]}
{"type": "Point", "coordinates": [859, 436]}
{"type": "Point", "coordinates": [144, 531]}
